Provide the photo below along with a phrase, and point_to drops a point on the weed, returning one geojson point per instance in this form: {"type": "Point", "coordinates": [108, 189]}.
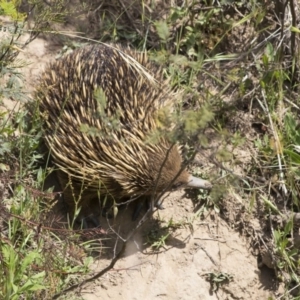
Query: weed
{"type": "Point", "coordinates": [157, 238]}
{"type": "Point", "coordinates": [35, 262]}
{"type": "Point", "coordinates": [218, 279]}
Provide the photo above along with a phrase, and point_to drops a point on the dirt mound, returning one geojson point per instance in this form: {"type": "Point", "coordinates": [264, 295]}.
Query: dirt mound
{"type": "Point", "coordinates": [212, 262]}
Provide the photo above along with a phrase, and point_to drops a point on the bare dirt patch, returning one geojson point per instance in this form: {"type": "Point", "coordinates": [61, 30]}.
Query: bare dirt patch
{"type": "Point", "coordinates": [181, 270]}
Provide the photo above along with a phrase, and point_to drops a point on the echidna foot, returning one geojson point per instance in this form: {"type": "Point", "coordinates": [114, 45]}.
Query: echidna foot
{"type": "Point", "coordinates": [158, 205]}
{"type": "Point", "coordinates": [140, 205]}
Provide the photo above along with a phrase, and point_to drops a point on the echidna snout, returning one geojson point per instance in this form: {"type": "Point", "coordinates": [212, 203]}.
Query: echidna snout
{"type": "Point", "coordinates": [163, 169]}
{"type": "Point", "coordinates": [198, 183]}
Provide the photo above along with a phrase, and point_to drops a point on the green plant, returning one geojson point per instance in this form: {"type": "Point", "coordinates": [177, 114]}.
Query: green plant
{"type": "Point", "coordinates": [288, 255]}
{"type": "Point", "coordinates": [10, 9]}
{"type": "Point", "coordinates": [218, 279]}
{"type": "Point", "coordinates": [17, 268]}
{"type": "Point", "coordinates": [157, 238]}
{"type": "Point", "coordinates": [34, 262]}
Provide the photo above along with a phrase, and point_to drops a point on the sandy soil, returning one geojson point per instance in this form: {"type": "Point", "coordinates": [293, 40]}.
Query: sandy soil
{"type": "Point", "coordinates": [179, 271]}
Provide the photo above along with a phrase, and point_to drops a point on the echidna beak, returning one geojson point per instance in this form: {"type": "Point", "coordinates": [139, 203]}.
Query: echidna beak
{"type": "Point", "coordinates": [198, 183]}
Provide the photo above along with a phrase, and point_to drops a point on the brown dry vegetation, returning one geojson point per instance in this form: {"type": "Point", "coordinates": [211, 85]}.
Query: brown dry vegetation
{"type": "Point", "coordinates": [241, 240]}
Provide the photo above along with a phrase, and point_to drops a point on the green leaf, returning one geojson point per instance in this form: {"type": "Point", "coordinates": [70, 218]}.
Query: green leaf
{"type": "Point", "coordinates": [29, 258]}
{"type": "Point", "coordinates": [30, 285]}
{"type": "Point", "coordinates": [269, 204]}
{"type": "Point", "coordinates": [5, 147]}
{"type": "Point", "coordinates": [39, 275]}
{"type": "Point", "coordinates": [179, 60]}
{"type": "Point", "coordinates": [295, 157]}
{"type": "Point", "coordinates": [162, 30]}
{"type": "Point", "coordinates": [9, 8]}
{"type": "Point", "coordinates": [37, 287]}
{"type": "Point", "coordinates": [295, 29]}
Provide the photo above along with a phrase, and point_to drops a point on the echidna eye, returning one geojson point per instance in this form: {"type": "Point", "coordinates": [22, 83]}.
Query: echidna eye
{"type": "Point", "coordinates": [177, 185]}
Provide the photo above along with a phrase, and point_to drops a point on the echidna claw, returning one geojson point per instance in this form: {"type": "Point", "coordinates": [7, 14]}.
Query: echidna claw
{"type": "Point", "coordinates": [92, 219]}
{"type": "Point", "coordinates": [137, 211]}
{"type": "Point", "coordinates": [159, 206]}
{"type": "Point", "coordinates": [140, 205]}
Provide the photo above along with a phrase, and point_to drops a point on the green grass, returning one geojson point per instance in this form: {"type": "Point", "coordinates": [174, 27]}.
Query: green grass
{"type": "Point", "coordinates": [35, 260]}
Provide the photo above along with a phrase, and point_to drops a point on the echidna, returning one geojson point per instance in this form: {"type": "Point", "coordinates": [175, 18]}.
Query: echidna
{"type": "Point", "coordinates": [99, 143]}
